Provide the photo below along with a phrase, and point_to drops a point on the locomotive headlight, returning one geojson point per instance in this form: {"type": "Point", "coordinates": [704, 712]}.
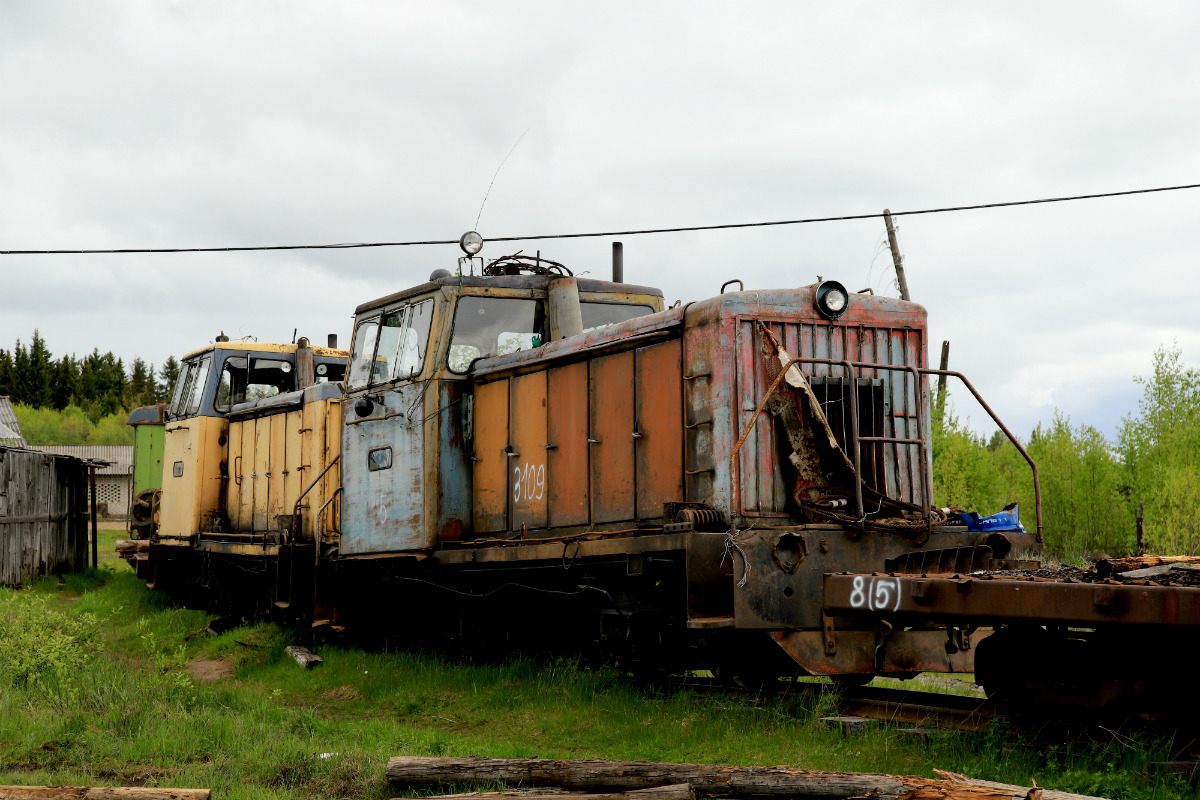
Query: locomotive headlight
{"type": "Point", "coordinates": [831, 299]}
{"type": "Point", "coordinates": [471, 243]}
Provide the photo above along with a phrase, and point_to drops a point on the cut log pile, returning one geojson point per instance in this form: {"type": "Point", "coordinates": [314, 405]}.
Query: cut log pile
{"type": "Point", "coordinates": [1145, 566]}
{"type": "Point", "coordinates": [631, 780]}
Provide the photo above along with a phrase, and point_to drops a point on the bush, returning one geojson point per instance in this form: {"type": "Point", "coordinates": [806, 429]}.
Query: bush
{"type": "Point", "coordinates": [43, 650]}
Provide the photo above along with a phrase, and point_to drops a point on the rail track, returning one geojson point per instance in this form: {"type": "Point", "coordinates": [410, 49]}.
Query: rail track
{"type": "Point", "coordinates": [907, 706]}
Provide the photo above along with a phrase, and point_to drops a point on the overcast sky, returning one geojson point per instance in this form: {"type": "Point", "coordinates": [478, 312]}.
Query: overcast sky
{"type": "Point", "coordinates": [164, 124]}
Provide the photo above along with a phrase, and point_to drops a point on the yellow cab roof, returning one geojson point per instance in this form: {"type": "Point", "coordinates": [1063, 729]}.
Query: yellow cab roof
{"type": "Point", "coordinates": [266, 347]}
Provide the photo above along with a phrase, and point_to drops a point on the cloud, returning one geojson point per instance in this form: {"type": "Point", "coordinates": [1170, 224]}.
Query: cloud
{"type": "Point", "coordinates": [130, 124]}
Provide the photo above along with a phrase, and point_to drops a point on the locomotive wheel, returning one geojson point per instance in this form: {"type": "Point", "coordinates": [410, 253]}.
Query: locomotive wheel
{"type": "Point", "coordinates": [143, 514]}
{"type": "Point", "coordinates": [1044, 674]}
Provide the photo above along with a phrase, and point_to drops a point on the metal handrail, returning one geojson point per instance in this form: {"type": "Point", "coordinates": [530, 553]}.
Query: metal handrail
{"type": "Point", "coordinates": [851, 368]}
{"type": "Point", "coordinates": [296, 510]}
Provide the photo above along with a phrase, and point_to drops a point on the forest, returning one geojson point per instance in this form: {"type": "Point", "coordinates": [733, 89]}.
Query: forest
{"type": "Point", "coordinates": [72, 400]}
{"type": "Point", "coordinates": [1092, 487]}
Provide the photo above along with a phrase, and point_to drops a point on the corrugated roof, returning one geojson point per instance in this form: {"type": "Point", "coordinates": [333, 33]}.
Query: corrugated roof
{"type": "Point", "coordinates": [121, 455]}
{"type": "Point", "coordinates": [10, 429]}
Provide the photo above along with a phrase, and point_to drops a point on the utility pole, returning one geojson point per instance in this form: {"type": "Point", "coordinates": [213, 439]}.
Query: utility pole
{"type": "Point", "coordinates": [896, 259]}
{"type": "Point", "coordinates": [945, 365]}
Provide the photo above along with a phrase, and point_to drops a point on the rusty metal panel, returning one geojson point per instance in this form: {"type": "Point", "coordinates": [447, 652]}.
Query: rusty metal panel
{"type": "Point", "coordinates": [293, 459]}
{"type": "Point", "coordinates": [245, 471]}
{"type": "Point", "coordinates": [261, 466]}
{"type": "Point", "coordinates": [567, 435]}
{"type": "Point", "coordinates": [658, 395]}
{"type": "Point", "coordinates": [383, 508]}
{"type": "Point", "coordinates": [855, 652]}
{"type": "Point", "coordinates": [527, 451]}
{"type": "Point", "coordinates": [888, 403]}
{"type": "Point", "coordinates": [610, 404]}
{"type": "Point", "coordinates": [275, 468]}
{"type": "Point", "coordinates": [490, 473]}
{"type": "Point", "coordinates": [986, 602]}
{"type": "Point", "coordinates": [233, 489]}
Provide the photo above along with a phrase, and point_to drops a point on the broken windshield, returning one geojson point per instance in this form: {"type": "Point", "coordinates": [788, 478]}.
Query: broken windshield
{"type": "Point", "coordinates": [494, 326]}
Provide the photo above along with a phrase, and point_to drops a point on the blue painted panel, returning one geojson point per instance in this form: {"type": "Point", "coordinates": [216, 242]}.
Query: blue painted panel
{"type": "Point", "coordinates": [383, 508]}
{"type": "Point", "coordinates": [454, 472]}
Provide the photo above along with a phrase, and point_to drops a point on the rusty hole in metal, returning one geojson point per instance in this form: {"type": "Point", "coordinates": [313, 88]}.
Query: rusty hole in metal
{"type": "Point", "coordinates": [788, 550]}
{"type": "Point", "coordinates": [1000, 544]}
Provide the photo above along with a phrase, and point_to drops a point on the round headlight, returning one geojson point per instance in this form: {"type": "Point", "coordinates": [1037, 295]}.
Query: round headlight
{"type": "Point", "coordinates": [831, 299]}
{"type": "Point", "coordinates": [471, 243]}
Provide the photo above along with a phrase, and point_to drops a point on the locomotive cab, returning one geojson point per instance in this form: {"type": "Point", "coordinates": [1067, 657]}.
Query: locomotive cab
{"type": "Point", "coordinates": [214, 384]}
{"type": "Point", "coordinates": [409, 421]}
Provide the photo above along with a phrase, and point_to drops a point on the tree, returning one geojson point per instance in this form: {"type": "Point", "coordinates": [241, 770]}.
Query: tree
{"type": "Point", "coordinates": [6, 373]}
{"type": "Point", "coordinates": [141, 388]}
{"type": "Point", "coordinates": [1159, 447]}
{"type": "Point", "coordinates": [41, 367]}
{"type": "Point", "coordinates": [65, 382]}
{"type": "Point", "coordinates": [168, 374]}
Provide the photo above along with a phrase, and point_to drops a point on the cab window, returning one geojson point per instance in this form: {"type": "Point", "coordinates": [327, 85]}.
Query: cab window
{"type": "Point", "coordinates": [189, 391]}
{"type": "Point", "coordinates": [330, 371]}
{"type": "Point", "coordinates": [402, 341]}
{"type": "Point", "coordinates": [362, 354]}
{"type": "Point", "coordinates": [494, 326]}
{"type": "Point", "coordinates": [598, 315]}
{"type": "Point", "coordinates": [245, 379]}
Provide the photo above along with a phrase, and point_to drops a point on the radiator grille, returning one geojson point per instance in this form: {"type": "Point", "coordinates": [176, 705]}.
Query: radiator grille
{"type": "Point", "coordinates": [887, 401]}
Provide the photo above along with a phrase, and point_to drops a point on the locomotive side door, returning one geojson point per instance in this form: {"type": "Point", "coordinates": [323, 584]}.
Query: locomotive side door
{"type": "Point", "coordinates": [383, 439]}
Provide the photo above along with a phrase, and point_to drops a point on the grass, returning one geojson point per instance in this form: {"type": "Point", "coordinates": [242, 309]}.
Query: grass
{"type": "Point", "coordinates": [113, 704]}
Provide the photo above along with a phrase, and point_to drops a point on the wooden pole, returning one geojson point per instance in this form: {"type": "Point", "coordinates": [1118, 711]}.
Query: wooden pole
{"type": "Point", "coordinates": [708, 780]}
{"type": "Point", "coordinates": [896, 259]}
{"type": "Point", "coordinates": [95, 531]}
{"type": "Point", "coordinates": [943, 365]}
{"type": "Point", "coordinates": [1141, 531]}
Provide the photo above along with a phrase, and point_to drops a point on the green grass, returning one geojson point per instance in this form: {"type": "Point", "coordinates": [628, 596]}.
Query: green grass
{"type": "Point", "coordinates": [131, 715]}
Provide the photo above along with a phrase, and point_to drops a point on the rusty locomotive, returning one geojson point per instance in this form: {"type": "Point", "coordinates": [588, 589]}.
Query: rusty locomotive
{"type": "Point", "coordinates": [523, 458]}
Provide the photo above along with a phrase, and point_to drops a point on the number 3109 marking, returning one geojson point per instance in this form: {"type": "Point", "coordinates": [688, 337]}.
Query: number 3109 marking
{"type": "Point", "coordinates": [529, 482]}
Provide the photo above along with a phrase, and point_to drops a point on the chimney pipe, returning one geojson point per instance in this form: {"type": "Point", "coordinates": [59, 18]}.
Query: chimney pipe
{"type": "Point", "coordinates": [333, 341]}
{"type": "Point", "coordinates": [618, 262]}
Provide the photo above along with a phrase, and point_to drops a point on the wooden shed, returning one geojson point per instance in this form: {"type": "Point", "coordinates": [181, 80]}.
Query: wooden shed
{"type": "Point", "coordinates": [43, 514]}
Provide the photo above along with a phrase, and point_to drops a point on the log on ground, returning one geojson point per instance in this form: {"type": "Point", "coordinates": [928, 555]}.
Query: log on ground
{"type": "Point", "coordinates": [679, 791]}
{"type": "Point", "coordinates": [101, 793]}
{"type": "Point", "coordinates": [708, 780]}
{"type": "Point", "coordinates": [1109, 566]}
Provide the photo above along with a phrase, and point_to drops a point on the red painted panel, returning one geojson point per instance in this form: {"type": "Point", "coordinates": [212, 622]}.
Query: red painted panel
{"type": "Point", "coordinates": [610, 404]}
{"type": "Point", "coordinates": [567, 461]}
{"type": "Point", "coordinates": [659, 450]}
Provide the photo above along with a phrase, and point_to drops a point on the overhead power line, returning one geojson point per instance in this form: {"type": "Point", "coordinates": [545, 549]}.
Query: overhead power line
{"type": "Point", "coordinates": [636, 232]}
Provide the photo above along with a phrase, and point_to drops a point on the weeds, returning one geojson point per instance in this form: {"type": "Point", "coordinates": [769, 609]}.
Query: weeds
{"type": "Point", "coordinates": [115, 706]}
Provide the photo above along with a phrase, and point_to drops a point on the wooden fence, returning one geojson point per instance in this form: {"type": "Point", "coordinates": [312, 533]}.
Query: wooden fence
{"type": "Point", "coordinates": [43, 515]}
